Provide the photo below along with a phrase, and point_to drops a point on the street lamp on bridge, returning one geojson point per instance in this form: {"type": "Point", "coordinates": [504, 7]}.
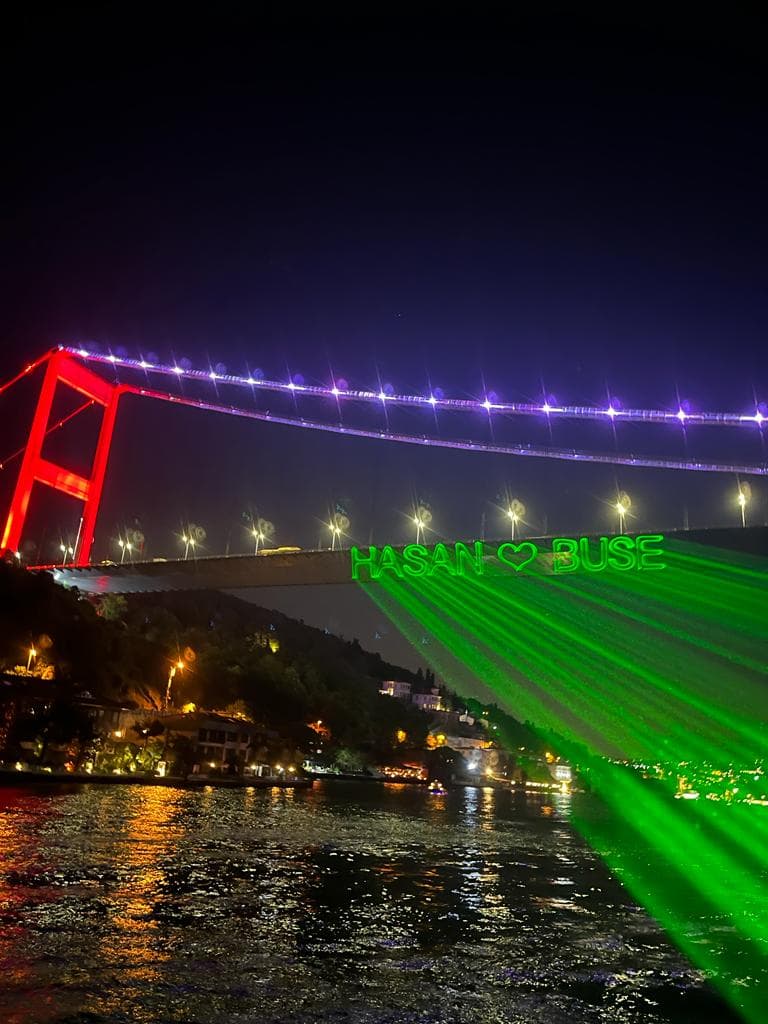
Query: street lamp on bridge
{"type": "Point", "coordinates": [261, 530]}
{"type": "Point", "coordinates": [338, 525]}
{"type": "Point", "coordinates": [745, 493]}
{"type": "Point", "coordinates": [191, 537]}
{"type": "Point", "coordinates": [422, 517]}
{"type": "Point", "coordinates": [125, 548]}
{"type": "Point", "coordinates": [622, 506]}
{"type": "Point", "coordinates": [515, 513]}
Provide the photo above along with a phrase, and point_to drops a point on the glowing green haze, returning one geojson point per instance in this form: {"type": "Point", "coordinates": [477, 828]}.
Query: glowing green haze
{"type": "Point", "coordinates": [664, 666]}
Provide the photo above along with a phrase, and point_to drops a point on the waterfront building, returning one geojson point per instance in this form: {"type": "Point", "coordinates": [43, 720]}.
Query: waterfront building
{"type": "Point", "coordinates": [217, 741]}
{"type": "Point", "coordinates": [109, 717]}
{"type": "Point", "coordinates": [562, 772]}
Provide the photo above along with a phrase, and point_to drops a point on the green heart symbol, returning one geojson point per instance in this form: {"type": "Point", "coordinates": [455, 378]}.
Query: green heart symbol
{"type": "Point", "coordinates": [517, 549]}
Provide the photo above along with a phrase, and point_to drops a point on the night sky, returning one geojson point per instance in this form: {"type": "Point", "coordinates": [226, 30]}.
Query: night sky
{"type": "Point", "coordinates": [560, 203]}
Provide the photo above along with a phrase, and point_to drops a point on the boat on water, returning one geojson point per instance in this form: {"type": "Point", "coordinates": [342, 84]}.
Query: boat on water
{"type": "Point", "coordinates": [436, 788]}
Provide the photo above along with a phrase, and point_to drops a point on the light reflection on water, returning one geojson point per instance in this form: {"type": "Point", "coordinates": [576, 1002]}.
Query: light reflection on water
{"type": "Point", "coordinates": [353, 902]}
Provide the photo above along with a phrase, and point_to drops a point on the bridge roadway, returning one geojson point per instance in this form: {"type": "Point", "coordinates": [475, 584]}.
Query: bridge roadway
{"type": "Point", "coordinates": [303, 568]}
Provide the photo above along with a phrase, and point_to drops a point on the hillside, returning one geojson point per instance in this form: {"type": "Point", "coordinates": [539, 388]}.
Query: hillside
{"type": "Point", "coordinates": [284, 672]}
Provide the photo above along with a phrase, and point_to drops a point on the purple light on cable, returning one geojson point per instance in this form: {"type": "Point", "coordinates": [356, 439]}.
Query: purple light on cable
{"type": "Point", "coordinates": [613, 458]}
{"type": "Point", "coordinates": [387, 393]}
{"type": "Point", "coordinates": [550, 405]}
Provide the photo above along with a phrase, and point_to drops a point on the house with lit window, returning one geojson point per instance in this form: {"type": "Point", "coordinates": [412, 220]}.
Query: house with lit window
{"type": "Point", "coordinates": [396, 688]}
{"type": "Point", "coordinates": [431, 701]}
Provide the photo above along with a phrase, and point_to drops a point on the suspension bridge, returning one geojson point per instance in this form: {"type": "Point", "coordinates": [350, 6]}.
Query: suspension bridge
{"type": "Point", "coordinates": [102, 380]}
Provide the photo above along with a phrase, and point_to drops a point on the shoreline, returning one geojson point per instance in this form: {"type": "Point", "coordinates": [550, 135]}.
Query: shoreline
{"type": "Point", "coordinates": [13, 777]}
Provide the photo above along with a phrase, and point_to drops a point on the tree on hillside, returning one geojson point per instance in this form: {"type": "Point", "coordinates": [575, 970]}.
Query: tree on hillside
{"type": "Point", "coordinates": [111, 607]}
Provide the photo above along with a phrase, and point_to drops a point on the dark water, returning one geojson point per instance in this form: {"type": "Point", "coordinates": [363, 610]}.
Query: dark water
{"type": "Point", "coordinates": [347, 903]}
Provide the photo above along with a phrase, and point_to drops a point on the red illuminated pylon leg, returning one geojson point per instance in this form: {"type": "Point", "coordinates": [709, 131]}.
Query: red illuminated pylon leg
{"type": "Point", "coordinates": [62, 369]}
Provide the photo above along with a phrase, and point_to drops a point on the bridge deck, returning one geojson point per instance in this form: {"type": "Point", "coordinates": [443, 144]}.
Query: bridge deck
{"type": "Point", "coordinates": [301, 568]}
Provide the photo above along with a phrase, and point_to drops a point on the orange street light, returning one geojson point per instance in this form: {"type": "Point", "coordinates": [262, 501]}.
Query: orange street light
{"type": "Point", "coordinates": [175, 667]}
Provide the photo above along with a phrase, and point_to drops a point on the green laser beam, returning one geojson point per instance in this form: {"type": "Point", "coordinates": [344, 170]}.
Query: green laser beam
{"type": "Point", "coordinates": [663, 667]}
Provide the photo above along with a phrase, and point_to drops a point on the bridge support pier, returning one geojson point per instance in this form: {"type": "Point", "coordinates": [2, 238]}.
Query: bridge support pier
{"type": "Point", "coordinates": [63, 369]}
